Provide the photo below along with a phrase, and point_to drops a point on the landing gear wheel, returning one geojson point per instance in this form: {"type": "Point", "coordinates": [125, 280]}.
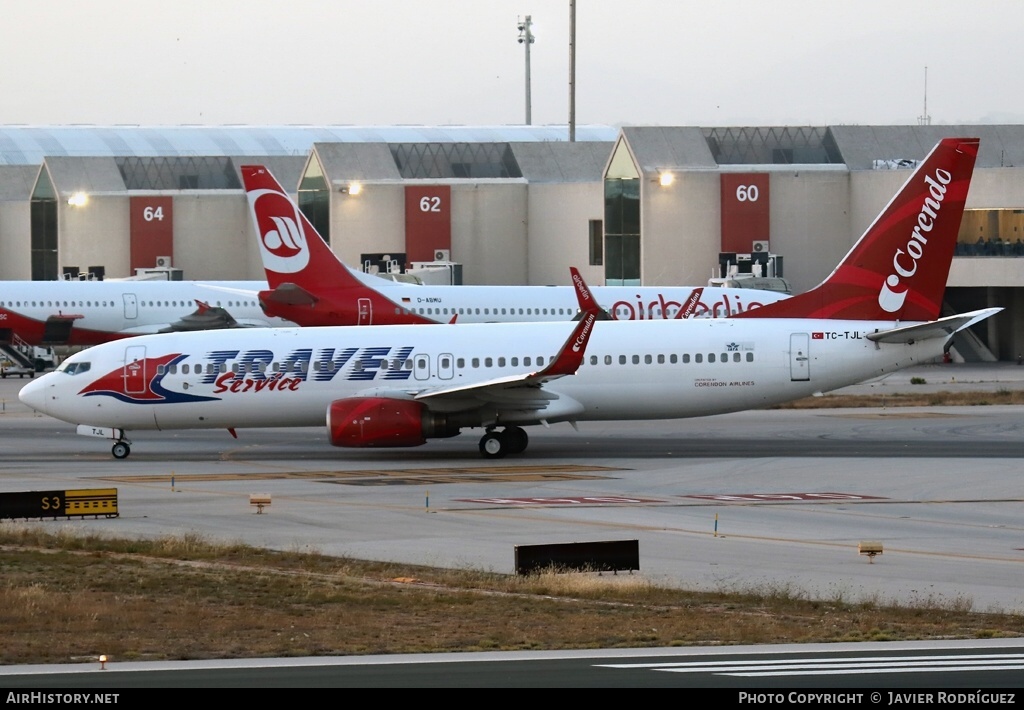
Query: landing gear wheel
{"type": "Point", "coordinates": [516, 439]}
{"type": "Point", "coordinates": [493, 446]}
{"type": "Point", "coordinates": [120, 450]}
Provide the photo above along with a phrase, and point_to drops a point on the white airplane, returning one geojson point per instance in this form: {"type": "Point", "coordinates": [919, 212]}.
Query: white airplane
{"type": "Point", "coordinates": [92, 312]}
{"type": "Point", "coordinates": [310, 286]}
{"type": "Point", "coordinates": [402, 385]}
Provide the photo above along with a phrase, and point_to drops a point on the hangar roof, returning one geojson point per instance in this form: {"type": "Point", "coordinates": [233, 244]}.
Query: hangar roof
{"type": "Point", "coordinates": [546, 161]}
{"type": "Point", "coordinates": [29, 145]}
{"type": "Point", "coordinates": [857, 147]}
{"type": "Point", "coordinates": [562, 162]}
{"type": "Point", "coordinates": [655, 148]}
{"type": "Point", "coordinates": [110, 175]}
{"type": "Point", "coordinates": [860, 146]}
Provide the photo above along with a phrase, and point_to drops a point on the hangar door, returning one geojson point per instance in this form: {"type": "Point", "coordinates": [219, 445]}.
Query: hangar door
{"type": "Point", "coordinates": [428, 222]}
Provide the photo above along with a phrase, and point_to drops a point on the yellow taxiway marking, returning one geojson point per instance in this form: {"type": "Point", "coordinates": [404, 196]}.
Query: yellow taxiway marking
{"type": "Point", "coordinates": [396, 476]}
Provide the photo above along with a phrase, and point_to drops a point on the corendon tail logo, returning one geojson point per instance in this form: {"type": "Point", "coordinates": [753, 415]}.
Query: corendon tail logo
{"type": "Point", "coordinates": [282, 238]}
{"type": "Point", "coordinates": [904, 261]}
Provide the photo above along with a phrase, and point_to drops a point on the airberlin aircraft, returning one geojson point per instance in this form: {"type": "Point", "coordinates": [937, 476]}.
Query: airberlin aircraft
{"type": "Point", "coordinates": [402, 385]}
{"type": "Point", "coordinates": [91, 312]}
{"type": "Point", "coordinates": [310, 286]}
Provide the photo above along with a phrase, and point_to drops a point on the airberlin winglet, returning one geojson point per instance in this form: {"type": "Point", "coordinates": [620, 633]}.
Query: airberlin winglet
{"type": "Point", "coordinates": [898, 269]}
{"type": "Point", "coordinates": [570, 357]}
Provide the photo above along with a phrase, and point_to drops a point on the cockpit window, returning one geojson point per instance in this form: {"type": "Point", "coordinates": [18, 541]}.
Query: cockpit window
{"type": "Point", "coordinates": [74, 368]}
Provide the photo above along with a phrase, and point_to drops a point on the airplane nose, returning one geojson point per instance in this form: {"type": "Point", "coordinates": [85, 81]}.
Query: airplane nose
{"type": "Point", "coordinates": [34, 394]}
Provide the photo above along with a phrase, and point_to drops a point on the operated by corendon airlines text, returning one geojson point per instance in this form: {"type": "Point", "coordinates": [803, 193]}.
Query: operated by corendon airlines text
{"type": "Point", "coordinates": [63, 698]}
{"type": "Point", "coordinates": [979, 697]}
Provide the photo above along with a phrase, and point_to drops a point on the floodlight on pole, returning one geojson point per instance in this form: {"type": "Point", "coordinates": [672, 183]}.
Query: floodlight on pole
{"type": "Point", "coordinates": [526, 38]}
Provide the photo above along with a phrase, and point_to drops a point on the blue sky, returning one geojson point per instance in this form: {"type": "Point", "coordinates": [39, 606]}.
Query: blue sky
{"type": "Point", "coordinates": [645, 62]}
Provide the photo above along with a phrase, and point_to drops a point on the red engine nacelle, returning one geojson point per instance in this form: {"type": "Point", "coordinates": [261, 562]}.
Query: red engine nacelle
{"type": "Point", "coordinates": [375, 421]}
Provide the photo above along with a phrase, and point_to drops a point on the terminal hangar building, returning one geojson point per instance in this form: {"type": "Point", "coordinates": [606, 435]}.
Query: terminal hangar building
{"type": "Point", "coordinates": [637, 205]}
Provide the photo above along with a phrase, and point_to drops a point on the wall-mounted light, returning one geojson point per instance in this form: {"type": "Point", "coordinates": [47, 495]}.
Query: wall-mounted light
{"type": "Point", "coordinates": [353, 188]}
{"type": "Point", "coordinates": [665, 178]}
{"type": "Point", "coordinates": [79, 199]}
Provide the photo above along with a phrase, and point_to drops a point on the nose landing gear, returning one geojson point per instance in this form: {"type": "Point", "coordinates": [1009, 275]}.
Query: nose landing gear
{"type": "Point", "coordinates": [121, 449]}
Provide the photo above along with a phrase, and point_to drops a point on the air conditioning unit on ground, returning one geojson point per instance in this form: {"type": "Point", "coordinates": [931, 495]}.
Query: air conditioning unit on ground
{"type": "Point", "coordinates": [163, 262]}
{"type": "Point", "coordinates": [761, 247]}
{"type": "Point", "coordinates": [442, 255]}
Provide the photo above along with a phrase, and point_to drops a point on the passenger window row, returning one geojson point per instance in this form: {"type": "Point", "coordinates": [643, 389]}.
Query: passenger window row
{"type": "Point", "coordinates": [487, 311]}
{"type": "Point", "coordinates": [396, 364]}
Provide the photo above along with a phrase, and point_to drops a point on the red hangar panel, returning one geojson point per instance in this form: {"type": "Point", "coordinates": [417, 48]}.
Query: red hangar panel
{"type": "Point", "coordinates": [152, 230]}
{"type": "Point", "coordinates": [745, 215]}
{"type": "Point", "coordinates": [428, 222]}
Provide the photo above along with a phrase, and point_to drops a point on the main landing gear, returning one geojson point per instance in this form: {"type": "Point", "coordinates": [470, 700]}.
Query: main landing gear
{"type": "Point", "coordinates": [497, 444]}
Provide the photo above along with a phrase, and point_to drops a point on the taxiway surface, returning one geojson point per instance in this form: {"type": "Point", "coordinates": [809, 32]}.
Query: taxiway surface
{"type": "Point", "coordinates": [757, 500]}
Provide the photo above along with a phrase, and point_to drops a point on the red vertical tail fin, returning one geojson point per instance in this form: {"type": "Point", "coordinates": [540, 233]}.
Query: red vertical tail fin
{"type": "Point", "coordinates": [309, 284]}
{"type": "Point", "coordinates": [898, 269]}
{"type": "Point", "coordinates": [292, 250]}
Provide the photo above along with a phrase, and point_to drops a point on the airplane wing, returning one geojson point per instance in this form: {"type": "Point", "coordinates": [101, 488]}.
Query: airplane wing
{"type": "Point", "coordinates": [524, 393]}
{"type": "Point", "coordinates": [941, 328]}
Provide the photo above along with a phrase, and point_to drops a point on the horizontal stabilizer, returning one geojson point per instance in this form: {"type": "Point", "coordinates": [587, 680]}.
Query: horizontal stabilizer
{"type": "Point", "coordinates": [289, 294]}
{"type": "Point", "coordinates": [942, 328]}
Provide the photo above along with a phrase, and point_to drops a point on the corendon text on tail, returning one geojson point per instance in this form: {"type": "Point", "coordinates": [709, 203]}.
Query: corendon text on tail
{"type": "Point", "coordinates": [891, 297]}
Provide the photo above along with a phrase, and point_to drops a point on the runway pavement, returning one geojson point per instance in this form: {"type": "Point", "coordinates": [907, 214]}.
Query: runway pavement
{"type": "Point", "coordinates": [756, 500]}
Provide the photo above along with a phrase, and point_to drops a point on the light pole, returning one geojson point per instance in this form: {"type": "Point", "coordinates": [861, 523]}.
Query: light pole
{"type": "Point", "coordinates": [526, 39]}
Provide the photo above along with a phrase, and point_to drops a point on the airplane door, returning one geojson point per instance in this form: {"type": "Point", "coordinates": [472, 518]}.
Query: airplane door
{"type": "Point", "coordinates": [421, 367]}
{"type": "Point", "coordinates": [135, 369]}
{"type": "Point", "coordinates": [131, 306]}
{"type": "Point", "coordinates": [365, 312]}
{"type": "Point", "coordinates": [799, 356]}
{"type": "Point", "coordinates": [445, 366]}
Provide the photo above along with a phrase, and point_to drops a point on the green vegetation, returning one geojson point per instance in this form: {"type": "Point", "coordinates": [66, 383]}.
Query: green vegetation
{"type": "Point", "coordinates": [66, 597]}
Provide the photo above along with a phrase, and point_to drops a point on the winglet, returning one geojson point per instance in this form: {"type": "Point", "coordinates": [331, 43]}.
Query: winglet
{"type": "Point", "coordinates": [570, 357]}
